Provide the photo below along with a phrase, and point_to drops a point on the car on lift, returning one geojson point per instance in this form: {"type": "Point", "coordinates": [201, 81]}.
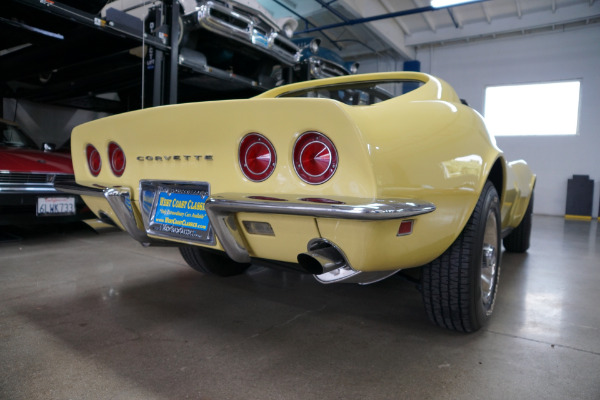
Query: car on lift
{"type": "Point", "coordinates": [27, 179]}
{"type": "Point", "coordinates": [317, 62]}
{"type": "Point", "coordinates": [351, 179]}
{"type": "Point", "coordinates": [227, 45]}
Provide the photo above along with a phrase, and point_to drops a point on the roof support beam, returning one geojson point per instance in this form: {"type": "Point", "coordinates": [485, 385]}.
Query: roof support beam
{"type": "Point", "coordinates": [486, 12]}
{"type": "Point", "coordinates": [425, 16]}
{"type": "Point", "coordinates": [400, 23]}
{"type": "Point", "coordinates": [563, 15]}
{"type": "Point", "coordinates": [380, 22]}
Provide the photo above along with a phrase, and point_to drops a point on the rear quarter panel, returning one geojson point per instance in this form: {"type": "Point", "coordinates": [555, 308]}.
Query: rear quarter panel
{"type": "Point", "coordinates": [428, 148]}
{"type": "Point", "coordinates": [520, 182]}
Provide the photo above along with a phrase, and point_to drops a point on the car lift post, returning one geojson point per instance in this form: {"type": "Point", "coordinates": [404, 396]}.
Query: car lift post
{"type": "Point", "coordinates": [165, 69]}
{"type": "Point", "coordinates": [173, 21]}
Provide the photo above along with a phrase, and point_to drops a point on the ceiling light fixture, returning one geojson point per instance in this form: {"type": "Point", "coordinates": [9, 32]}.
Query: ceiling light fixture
{"type": "Point", "coordinates": [450, 3]}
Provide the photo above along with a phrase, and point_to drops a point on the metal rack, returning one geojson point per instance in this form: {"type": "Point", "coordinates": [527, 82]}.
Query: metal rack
{"type": "Point", "coordinates": [54, 53]}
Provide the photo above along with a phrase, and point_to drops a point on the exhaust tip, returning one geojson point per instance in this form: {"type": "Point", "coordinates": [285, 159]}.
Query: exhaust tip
{"type": "Point", "coordinates": [321, 257]}
{"type": "Point", "coordinates": [310, 264]}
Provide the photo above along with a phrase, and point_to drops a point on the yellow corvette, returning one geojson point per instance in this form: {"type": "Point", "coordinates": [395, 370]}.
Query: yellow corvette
{"type": "Point", "coordinates": [350, 179]}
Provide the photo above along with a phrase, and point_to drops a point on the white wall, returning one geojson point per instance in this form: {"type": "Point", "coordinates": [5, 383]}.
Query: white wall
{"type": "Point", "coordinates": [559, 55]}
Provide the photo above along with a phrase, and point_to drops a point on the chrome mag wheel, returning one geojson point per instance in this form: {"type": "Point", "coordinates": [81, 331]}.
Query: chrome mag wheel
{"type": "Point", "coordinates": [489, 262]}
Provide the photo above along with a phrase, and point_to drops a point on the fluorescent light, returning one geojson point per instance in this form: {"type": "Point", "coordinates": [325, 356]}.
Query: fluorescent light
{"type": "Point", "coordinates": [450, 3]}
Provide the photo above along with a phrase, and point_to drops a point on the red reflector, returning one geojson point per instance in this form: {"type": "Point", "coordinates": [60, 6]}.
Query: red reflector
{"type": "Point", "coordinates": [405, 228]}
{"type": "Point", "coordinates": [322, 200]}
{"type": "Point", "coordinates": [117, 159]}
{"type": "Point", "coordinates": [267, 198]}
{"type": "Point", "coordinates": [93, 159]}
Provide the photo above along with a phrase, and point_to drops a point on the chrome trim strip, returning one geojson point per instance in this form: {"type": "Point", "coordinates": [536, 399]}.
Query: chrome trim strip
{"type": "Point", "coordinates": [22, 189]}
{"type": "Point", "coordinates": [280, 48]}
{"type": "Point", "coordinates": [323, 68]}
{"type": "Point", "coordinates": [214, 23]}
{"type": "Point", "coordinates": [29, 183]}
{"type": "Point", "coordinates": [74, 188]}
{"type": "Point", "coordinates": [119, 200]}
{"type": "Point", "coordinates": [347, 208]}
{"type": "Point", "coordinates": [229, 233]}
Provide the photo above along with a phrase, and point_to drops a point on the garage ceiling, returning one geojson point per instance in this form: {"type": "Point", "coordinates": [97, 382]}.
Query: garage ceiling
{"type": "Point", "coordinates": [400, 36]}
{"type": "Point", "coordinates": [49, 59]}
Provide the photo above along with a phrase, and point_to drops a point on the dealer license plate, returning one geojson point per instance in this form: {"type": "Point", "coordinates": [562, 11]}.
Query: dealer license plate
{"type": "Point", "coordinates": [178, 211]}
{"type": "Point", "coordinates": [55, 206]}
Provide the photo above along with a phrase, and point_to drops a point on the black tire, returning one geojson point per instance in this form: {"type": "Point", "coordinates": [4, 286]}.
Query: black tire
{"type": "Point", "coordinates": [459, 287]}
{"type": "Point", "coordinates": [518, 240]}
{"type": "Point", "coordinates": [211, 262]}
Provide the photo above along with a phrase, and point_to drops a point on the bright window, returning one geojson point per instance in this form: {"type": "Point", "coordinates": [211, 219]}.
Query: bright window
{"type": "Point", "coordinates": [533, 109]}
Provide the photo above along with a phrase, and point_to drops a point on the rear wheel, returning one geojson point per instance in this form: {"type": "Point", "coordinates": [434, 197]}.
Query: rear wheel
{"type": "Point", "coordinates": [211, 262]}
{"type": "Point", "coordinates": [518, 240]}
{"type": "Point", "coordinates": [459, 288]}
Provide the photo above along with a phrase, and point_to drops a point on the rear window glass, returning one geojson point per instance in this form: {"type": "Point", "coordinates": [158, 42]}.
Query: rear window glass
{"type": "Point", "coordinates": [358, 93]}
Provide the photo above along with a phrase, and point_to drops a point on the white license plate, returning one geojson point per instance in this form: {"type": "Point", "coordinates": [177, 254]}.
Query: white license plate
{"type": "Point", "coordinates": [51, 206]}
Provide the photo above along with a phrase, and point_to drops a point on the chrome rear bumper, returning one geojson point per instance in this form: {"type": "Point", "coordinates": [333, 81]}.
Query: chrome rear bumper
{"type": "Point", "coordinates": [222, 208]}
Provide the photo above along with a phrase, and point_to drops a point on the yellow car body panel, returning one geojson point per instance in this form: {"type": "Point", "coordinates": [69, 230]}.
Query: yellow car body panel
{"type": "Point", "coordinates": [423, 146]}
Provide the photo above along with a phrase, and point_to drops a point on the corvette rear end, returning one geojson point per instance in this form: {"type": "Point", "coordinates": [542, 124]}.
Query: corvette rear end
{"type": "Point", "coordinates": [245, 176]}
{"type": "Point", "coordinates": [350, 189]}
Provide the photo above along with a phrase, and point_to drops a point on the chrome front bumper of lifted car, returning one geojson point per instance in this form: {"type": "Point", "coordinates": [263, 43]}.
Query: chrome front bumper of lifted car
{"type": "Point", "coordinates": [323, 258]}
{"type": "Point", "coordinates": [245, 25]}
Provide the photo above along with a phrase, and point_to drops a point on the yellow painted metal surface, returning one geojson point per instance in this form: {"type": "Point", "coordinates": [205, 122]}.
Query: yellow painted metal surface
{"type": "Point", "coordinates": [293, 231]}
{"type": "Point", "coordinates": [423, 145]}
{"type": "Point", "coordinates": [578, 217]}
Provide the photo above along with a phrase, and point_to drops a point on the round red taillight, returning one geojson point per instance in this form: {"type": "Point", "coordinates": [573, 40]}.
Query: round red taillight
{"type": "Point", "coordinates": [93, 159]}
{"type": "Point", "coordinates": [116, 157]}
{"type": "Point", "coordinates": [257, 157]}
{"type": "Point", "coordinates": [315, 158]}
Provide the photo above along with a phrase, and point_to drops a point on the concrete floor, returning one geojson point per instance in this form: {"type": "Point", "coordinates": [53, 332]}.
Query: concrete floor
{"type": "Point", "coordinates": [96, 316]}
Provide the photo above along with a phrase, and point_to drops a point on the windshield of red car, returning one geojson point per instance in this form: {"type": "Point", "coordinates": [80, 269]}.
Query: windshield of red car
{"type": "Point", "coordinates": [12, 136]}
{"type": "Point", "coordinates": [358, 93]}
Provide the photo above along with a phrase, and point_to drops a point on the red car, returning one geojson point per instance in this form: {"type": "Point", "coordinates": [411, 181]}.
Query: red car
{"type": "Point", "coordinates": [27, 178]}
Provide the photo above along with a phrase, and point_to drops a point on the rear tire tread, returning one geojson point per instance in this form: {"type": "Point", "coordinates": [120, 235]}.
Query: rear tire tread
{"type": "Point", "coordinates": [211, 262]}
{"type": "Point", "coordinates": [519, 239]}
{"type": "Point", "coordinates": [447, 282]}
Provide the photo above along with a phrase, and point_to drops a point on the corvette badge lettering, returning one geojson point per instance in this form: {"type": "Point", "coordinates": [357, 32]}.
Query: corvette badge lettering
{"type": "Point", "coordinates": [174, 158]}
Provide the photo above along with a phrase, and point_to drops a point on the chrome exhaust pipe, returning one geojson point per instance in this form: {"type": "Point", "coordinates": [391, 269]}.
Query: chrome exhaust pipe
{"type": "Point", "coordinates": [328, 263]}
{"type": "Point", "coordinates": [321, 260]}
